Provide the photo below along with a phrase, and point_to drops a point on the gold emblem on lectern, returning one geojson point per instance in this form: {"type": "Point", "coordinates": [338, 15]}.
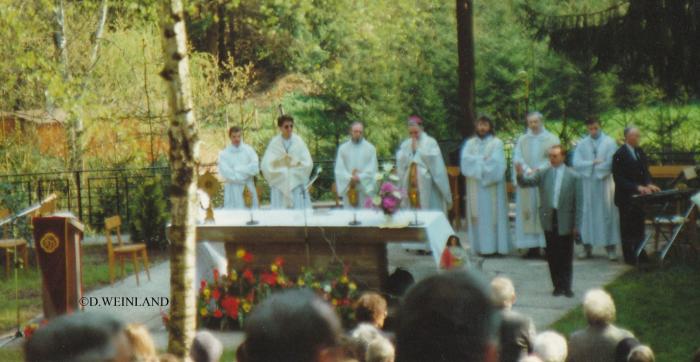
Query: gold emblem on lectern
{"type": "Point", "coordinates": [49, 242]}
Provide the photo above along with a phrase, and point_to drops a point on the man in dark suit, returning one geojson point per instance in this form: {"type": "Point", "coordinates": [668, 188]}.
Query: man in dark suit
{"type": "Point", "coordinates": [560, 214]}
{"type": "Point", "coordinates": [631, 174]}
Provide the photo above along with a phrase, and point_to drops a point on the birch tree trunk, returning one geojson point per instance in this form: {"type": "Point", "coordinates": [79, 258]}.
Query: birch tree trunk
{"type": "Point", "coordinates": [184, 157]}
{"type": "Point", "coordinates": [75, 125]}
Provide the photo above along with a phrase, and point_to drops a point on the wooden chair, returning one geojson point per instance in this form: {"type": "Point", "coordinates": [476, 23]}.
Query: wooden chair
{"type": "Point", "coordinates": [9, 245]}
{"type": "Point", "coordinates": [123, 250]}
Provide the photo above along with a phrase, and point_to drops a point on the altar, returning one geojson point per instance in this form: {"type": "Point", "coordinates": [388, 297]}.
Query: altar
{"type": "Point", "coordinates": [317, 237]}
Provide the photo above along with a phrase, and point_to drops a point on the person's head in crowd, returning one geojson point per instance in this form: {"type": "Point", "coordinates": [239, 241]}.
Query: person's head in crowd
{"type": "Point", "coordinates": [351, 348]}
{"type": "Point", "coordinates": [380, 350]}
{"type": "Point", "coordinates": [535, 122]}
{"type": "Point", "coordinates": [641, 353]}
{"type": "Point", "coordinates": [502, 293]}
{"type": "Point", "coordinates": [286, 125]}
{"type": "Point", "coordinates": [550, 347]}
{"type": "Point", "coordinates": [447, 317]}
{"type": "Point", "coordinates": [484, 127]}
{"type": "Point", "coordinates": [632, 135]}
{"type": "Point", "coordinates": [593, 127]}
{"type": "Point", "coordinates": [363, 335]}
{"type": "Point", "coordinates": [293, 326]}
{"type": "Point", "coordinates": [142, 345]}
{"type": "Point", "coordinates": [598, 307]}
{"type": "Point", "coordinates": [206, 348]}
{"type": "Point", "coordinates": [80, 337]}
{"type": "Point", "coordinates": [235, 133]}
{"type": "Point", "coordinates": [624, 347]}
{"type": "Point", "coordinates": [371, 308]}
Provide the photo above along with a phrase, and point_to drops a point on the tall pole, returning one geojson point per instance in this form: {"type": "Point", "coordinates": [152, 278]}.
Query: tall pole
{"type": "Point", "coordinates": [465, 51]}
{"type": "Point", "coordinates": [184, 158]}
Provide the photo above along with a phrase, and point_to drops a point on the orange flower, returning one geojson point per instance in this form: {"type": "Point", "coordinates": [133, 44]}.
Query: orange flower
{"type": "Point", "coordinates": [216, 275]}
{"type": "Point", "coordinates": [218, 314]}
{"type": "Point", "coordinates": [216, 294]}
{"type": "Point", "coordinates": [279, 261]}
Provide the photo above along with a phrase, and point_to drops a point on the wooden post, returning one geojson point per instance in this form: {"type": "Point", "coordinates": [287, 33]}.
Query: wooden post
{"type": "Point", "coordinates": [465, 51]}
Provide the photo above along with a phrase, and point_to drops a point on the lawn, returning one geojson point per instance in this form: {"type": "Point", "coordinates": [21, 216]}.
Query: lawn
{"type": "Point", "coordinates": [660, 307]}
{"type": "Point", "coordinates": [95, 274]}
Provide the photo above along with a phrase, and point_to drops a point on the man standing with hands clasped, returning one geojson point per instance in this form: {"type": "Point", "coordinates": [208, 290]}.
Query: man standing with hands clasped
{"type": "Point", "coordinates": [560, 215]}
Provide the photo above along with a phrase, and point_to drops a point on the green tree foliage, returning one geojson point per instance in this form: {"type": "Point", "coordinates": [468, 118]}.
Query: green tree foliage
{"type": "Point", "coordinates": [149, 213]}
{"type": "Point", "coordinates": [328, 62]}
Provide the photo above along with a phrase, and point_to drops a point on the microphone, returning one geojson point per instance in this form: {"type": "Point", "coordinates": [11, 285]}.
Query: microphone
{"type": "Point", "coordinates": [313, 179]}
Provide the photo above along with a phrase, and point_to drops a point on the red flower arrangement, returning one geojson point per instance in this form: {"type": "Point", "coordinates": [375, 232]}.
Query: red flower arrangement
{"type": "Point", "coordinates": [229, 299]}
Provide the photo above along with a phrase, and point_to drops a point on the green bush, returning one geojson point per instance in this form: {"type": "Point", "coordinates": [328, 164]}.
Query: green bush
{"type": "Point", "coordinates": [149, 213]}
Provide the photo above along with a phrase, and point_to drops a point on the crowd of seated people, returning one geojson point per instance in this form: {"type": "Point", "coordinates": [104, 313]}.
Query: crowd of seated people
{"type": "Point", "coordinates": [452, 316]}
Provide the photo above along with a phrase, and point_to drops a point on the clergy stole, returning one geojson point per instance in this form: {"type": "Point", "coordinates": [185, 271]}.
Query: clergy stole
{"type": "Point", "coordinates": [530, 219]}
{"type": "Point", "coordinates": [352, 194]}
{"type": "Point", "coordinates": [413, 192]}
{"type": "Point", "coordinates": [473, 183]}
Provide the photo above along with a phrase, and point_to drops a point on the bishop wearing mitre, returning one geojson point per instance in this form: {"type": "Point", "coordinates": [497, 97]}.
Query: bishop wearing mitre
{"type": "Point", "coordinates": [286, 165]}
{"type": "Point", "coordinates": [421, 170]}
{"type": "Point", "coordinates": [355, 168]}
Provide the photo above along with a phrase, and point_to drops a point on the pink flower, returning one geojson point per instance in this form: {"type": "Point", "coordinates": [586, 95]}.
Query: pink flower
{"type": "Point", "coordinates": [387, 187]}
{"type": "Point", "coordinates": [389, 203]}
{"type": "Point", "coordinates": [368, 203]}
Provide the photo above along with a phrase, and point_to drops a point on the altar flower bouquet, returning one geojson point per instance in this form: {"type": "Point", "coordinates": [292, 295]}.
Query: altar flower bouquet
{"type": "Point", "coordinates": [226, 301]}
{"type": "Point", "coordinates": [390, 195]}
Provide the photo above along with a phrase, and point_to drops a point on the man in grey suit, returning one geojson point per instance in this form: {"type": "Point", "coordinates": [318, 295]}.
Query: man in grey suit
{"type": "Point", "coordinates": [560, 215]}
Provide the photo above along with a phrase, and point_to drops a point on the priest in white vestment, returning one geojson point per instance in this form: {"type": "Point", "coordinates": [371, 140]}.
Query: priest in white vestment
{"type": "Point", "coordinates": [531, 152]}
{"type": "Point", "coordinates": [356, 168]}
{"type": "Point", "coordinates": [601, 219]}
{"type": "Point", "coordinates": [483, 163]}
{"type": "Point", "coordinates": [286, 166]}
{"type": "Point", "coordinates": [421, 169]}
{"type": "Point", "coordinates": [238, 165]}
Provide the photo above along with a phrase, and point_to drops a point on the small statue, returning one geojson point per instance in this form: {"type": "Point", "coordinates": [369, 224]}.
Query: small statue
{"type": "Point", "coordinates": [454, 256]}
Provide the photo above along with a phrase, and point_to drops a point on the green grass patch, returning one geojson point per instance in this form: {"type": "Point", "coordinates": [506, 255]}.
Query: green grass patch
{"type": "Point", "coordinates": [95, 274]}
{"type": "Point", "coordinates": [660, 307]}
{"type": "Point", "coordinates": [11, 355]}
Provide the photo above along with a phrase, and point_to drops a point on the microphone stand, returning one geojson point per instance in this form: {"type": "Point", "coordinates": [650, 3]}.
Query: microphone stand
{"type": "Point", "coordinates": [252, 221]}
{"type": "Point", "coordinates": [415, 221]}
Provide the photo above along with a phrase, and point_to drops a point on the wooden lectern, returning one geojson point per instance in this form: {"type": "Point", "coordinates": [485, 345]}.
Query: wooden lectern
{"type": "Point", "coordinates": [58, 249]}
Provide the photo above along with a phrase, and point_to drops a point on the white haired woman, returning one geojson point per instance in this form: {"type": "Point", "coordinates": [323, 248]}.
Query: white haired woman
{"type": "Point", "coordinates": [599, 340]}
{"type": "Point", "coordinates": [550, 347]}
